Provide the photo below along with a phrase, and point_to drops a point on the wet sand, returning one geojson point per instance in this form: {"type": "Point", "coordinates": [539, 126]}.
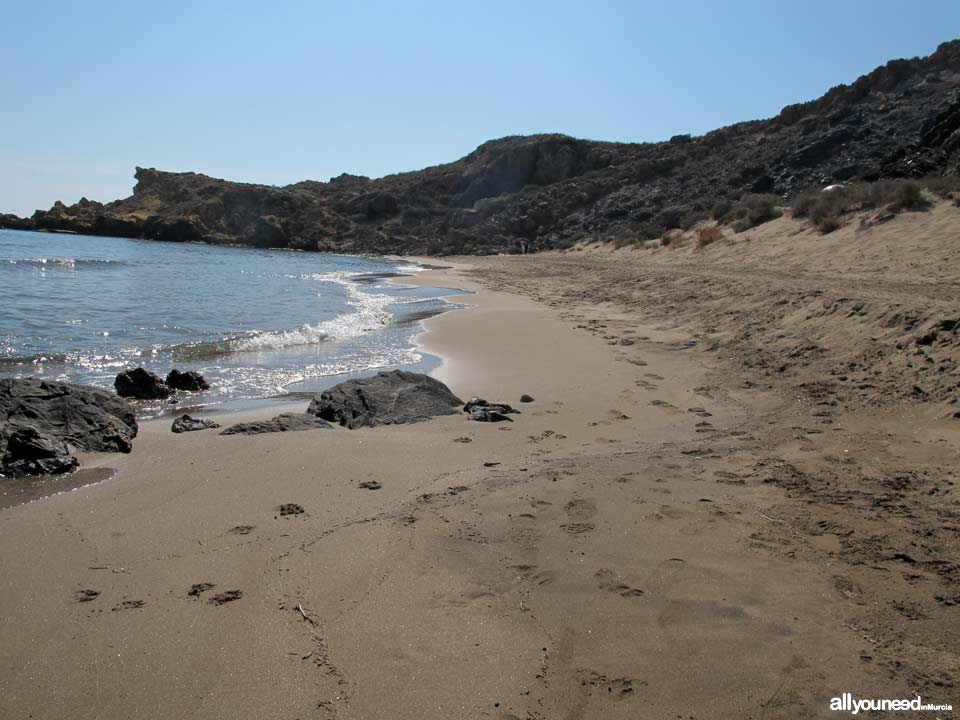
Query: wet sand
{"type": "Point", "coordinates": [663, 532]}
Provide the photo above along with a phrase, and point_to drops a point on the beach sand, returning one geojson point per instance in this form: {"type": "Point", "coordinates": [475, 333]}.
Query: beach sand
{"type": "Point", "coordinates": [667, 531]}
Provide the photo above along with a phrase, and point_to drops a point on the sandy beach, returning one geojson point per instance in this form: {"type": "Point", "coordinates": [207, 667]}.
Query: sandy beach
{"type": "Point", "coordinates": [675, 527]}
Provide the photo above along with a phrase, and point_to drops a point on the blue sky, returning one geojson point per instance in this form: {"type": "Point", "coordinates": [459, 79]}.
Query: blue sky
{"type": "Point", "coordinates": [277, 92]}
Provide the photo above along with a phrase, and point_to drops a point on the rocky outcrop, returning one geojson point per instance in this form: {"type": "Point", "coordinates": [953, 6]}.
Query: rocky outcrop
{"type": "Point", "coordinates": [191, 381]}
{"type": "Point", "coordinates": [45, 422]}
{"type": "Point", "coordinates": [520, 194]}
{"type": "Point", "coordinates": [389, 398]}
{"type": "Point", "coordinates": [287, 422]}
{"type": "Point", "coordinates": [186, 423]}
{"type": "Point", "coordinates": [141, 384]}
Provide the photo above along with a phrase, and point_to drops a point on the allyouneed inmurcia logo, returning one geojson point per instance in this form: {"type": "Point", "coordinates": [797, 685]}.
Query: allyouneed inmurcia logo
{"type": "Point", "coordinates": [854, 705]}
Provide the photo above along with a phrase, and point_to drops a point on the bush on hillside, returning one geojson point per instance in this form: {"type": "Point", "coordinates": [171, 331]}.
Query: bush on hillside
{"type": "Point", "coordinates": [826, 208]}
{"type": "Point", "coordinates": [708, 235]}
{"type": "Point", "coordinates": [753, 210]}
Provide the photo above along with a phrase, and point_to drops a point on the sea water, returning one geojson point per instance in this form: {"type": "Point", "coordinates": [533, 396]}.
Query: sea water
{"type": "Point", "coordinates": [256, 323]}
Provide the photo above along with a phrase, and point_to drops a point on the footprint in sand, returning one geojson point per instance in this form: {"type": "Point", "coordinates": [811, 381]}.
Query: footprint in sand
{"type": "Point", "coordinates": [546, 434]}
{"type": "Point", "coordinates": [225, 597]}
{"type": "Point", "coordinates": [290, 509]}
{"type": "Point", "coordinates": [609, 581]}
{"type": "Point", "coordinates": [242, 529]}
{"type": "Point", "coordinates": [198, 588]}
{"type": "Point", "coordinates": [370, 485]}
{"type": "Point", "coordinates": [130, 605]}
{"type": "Point", "coordinates": [578, 528]}
{"type": "Point", "coordinates": [86, 595]}
{"type": "Point", "coordinates": [617, 689]}
{"type": "Point", "coordinates": [729, 478]}
{"type": "Point", "coordinates": [533, 574]}
{"type": "Point", "coordinates": [581, 508]}
{"type": "Point", "coordinates": [653, 376]}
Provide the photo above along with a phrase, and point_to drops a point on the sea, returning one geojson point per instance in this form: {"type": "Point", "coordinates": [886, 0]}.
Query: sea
{"type": "Point", "coordinates": [260, 325]}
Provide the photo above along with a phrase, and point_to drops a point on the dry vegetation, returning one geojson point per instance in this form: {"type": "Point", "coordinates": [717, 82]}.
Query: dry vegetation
{"type": "Point", "coordinates": [708, 235]}
{"type": "Point", "coordinates": [827, 209]}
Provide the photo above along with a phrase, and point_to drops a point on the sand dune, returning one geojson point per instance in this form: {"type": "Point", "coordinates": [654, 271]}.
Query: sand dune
{"type": "Point", "coordinates": [677, 526]}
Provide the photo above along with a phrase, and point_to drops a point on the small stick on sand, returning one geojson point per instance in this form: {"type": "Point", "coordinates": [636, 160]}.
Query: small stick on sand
{"type": "Point", "coordinates": [304, 614]}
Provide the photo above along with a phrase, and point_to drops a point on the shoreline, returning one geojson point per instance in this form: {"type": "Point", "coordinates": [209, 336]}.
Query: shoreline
{"type": "Point", "coordinates": [286, 324]}
{"type": "Point", "coordinates": [605, 554]}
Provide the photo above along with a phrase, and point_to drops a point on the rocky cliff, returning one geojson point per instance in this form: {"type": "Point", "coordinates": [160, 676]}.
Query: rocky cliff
{"type": "Point", "coordinates": [547, 191]}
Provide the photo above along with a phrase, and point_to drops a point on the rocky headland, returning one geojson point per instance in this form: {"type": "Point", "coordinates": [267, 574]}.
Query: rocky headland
{"type": "Point", "coordinates": [520, 194]}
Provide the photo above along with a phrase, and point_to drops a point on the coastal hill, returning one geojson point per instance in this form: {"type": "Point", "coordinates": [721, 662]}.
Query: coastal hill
{"type": "Point", "coordinates": [521, 194]}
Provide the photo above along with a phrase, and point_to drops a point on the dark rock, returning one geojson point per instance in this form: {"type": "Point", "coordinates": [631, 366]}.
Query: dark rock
{"type": "Point", "coordinates": [526, 398]}
{"type": "Point", "coordinates": [480, 402]}
{"type": "Point", "coordinates": [268, 232]}
{"type": "Point", "coordinates": [487, 413]}
{"type": "Point", "coordinates": [389, 398]}
{"type": "Point", "coordinates": [484, 411]}
{"type": "Point", "coordinates": [141, 384]}
{"type": "Point", "coordinates": [191, 381]}
{"type": "Point", "coordinates": [43, 422]}
{"type": "Point", "coordinates": [185, 423]}
{"type": "Point", "coordinates": [30, 452]}
{"type": "Point", "coordinates": [87, 418]}
{"type": "Point", "coordinates": [287, 422]}
{"type": "Point", "coordinates": [173, 229]}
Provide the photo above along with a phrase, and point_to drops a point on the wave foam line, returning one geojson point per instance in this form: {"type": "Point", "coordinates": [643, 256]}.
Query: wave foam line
{"type": "Point", "coordinates": [369, 314]}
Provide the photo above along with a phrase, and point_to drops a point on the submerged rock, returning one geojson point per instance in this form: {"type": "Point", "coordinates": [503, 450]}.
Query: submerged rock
{"type": "Point", "coordinates": [185, 423]}
{"type": "Point", "coordinates": [191, 381]}
{"type": "Point", "coordinates": [389, 398]}
{"type": "Point", "coordinates": [45, 422]}
{"type": "Point", "coordinates": [287, 422]}
{"type": "Point", "coordinates": [141, 384]}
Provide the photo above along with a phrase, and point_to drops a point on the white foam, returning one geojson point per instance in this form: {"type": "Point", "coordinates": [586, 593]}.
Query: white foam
{"type": "Point", "coordinates": [369, 314]}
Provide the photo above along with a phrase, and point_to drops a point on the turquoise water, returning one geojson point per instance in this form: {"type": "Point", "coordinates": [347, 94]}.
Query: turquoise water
{"type": "Point", "coordinates": [256, 323]}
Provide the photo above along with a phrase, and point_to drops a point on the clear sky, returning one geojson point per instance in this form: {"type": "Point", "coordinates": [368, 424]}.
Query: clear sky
{"type": "Point", "coordinates": [277, 92]}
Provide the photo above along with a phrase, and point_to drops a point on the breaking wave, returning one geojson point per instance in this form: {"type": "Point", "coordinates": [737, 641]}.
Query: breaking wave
{"type": "Point", "coordinates": [369, 314]}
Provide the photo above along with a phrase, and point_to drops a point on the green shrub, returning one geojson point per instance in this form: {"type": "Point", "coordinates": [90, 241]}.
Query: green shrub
{"type": "Point", "coordinates": [721, 209]}
{"type": "Point", "coordinates": [909, 196]}
{"type": "Point", "coordinates": [804, 203]}
{"type": "Point", "coordinates": [755, 210]}
{"type": "Point", "coordinates": [692, 218]}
